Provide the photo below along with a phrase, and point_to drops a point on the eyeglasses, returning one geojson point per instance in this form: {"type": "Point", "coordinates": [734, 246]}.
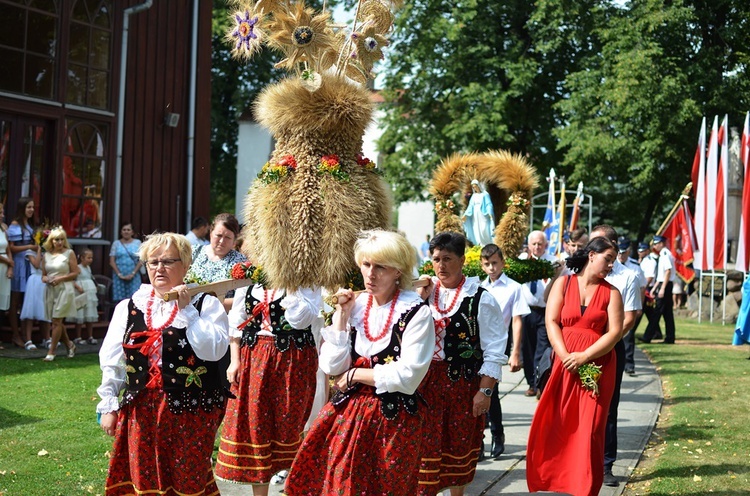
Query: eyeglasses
{"type": "Point", "coordinates": [166, 262]}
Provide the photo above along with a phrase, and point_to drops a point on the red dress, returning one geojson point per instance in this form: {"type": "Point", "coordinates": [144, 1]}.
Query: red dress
{"type": "Point", "coordinates": [566, 442]}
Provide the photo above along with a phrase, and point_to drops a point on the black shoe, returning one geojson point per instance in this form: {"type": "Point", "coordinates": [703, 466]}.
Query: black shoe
{"type": "Point", "coordinates": [482, 455]}
{"type": "Point", "coordinates": [609, 478]}
{"type": "Point", "coordinates": [630, 372]}
{"type": "Point", "coordinates": [642, 340]}
{"type": "Point", "coordinates": [498, 446]}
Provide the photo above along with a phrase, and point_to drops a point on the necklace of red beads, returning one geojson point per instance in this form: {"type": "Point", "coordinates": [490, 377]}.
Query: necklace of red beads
{"type": "Point", "coordinates": [149, 315]}
{"type": "Point", "coordinates": [388, 323]}
{"type": "Point", "coordinates": [436, 297]}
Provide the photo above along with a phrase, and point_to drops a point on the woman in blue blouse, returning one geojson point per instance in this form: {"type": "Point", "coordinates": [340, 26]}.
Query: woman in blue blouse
{"type": "Point", "coordinates": [125, 263]}
{"type": "Point", "coordinates": [21, 239]}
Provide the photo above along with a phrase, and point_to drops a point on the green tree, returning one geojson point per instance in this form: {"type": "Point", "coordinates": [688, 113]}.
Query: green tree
{"type": "Point", "coordinates": [631, 120]}
{"type": "Point", "coordinates": [610, 93]}
{"type": "Point", "coordinates": [234, 86]}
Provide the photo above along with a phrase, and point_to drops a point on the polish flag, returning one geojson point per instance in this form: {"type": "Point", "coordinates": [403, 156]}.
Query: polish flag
{"type": "Point", "coordinates": [712, 168]}
{"type": "Point", "coordinates": [743, 245]}
{"type": "Point", "coordinates": [720, 219]}
{"type": "Point", "coordinates": [699, 185]}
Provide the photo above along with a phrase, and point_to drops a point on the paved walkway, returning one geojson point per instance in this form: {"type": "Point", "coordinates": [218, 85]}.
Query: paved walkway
{"type": "Point", "coordinates": [640, 403]}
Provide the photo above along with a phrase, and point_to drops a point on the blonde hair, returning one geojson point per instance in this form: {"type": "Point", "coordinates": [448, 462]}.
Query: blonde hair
{"type": "Point", "coordinates": [56, 233]}
{"type": "Point", "coordinates": [389, 249]}
{"type": "Point", "coordinates": [165, 240]}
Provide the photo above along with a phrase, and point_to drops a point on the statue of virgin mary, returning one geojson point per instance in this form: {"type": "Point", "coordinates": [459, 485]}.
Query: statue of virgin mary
{"type": "Point", "coordinates": [479, 218]}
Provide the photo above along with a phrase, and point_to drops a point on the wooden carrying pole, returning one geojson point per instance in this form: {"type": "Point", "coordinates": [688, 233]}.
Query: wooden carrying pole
{"type": "Point", "coordinates": [218, 289]}
{"type": "Point", "coordinates": [418, 283]}
{"type": "Point", "coordinates": [683, 196]}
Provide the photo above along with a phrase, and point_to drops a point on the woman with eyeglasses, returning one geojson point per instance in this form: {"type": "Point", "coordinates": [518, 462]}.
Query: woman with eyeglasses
{"type": "Point", "coordinates": [214, 262]}
{"type": "Point", "coordinates": [123, 258]}
{"type": "Point", "coordinates": [166, 357]}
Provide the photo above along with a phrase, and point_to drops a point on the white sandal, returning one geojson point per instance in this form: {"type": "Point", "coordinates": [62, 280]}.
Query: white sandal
{"type": "Point", "coordinates": [49, 358]}
{"type": "Point", "coordinates": [29, 346]}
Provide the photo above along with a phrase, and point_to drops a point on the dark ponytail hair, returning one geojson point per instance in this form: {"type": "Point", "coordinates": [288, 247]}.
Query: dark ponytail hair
{"type": "Point", "coordinates": [578, 260]}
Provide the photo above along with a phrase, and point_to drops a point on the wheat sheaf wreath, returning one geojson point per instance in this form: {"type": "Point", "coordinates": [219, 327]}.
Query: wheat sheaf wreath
{"type": "Point", "coordinates": [509, 178]}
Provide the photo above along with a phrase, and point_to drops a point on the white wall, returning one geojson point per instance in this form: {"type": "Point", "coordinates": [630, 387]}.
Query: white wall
{"type": "Point", "coordinates": [254, 147]}
{"type": "Point", "coordinates": [416, 220]}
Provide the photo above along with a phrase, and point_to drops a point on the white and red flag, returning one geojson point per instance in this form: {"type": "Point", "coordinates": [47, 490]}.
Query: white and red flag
{"type": "Point", "coordinates": [699, 186]}
{"type": "Point", "coordinates": [743, 244]}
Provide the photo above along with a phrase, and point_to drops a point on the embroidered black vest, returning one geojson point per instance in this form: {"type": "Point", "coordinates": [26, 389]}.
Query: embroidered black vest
{"type": "Point", "coordinates": [463, 350]}
{"type": "Point", "coordinates": [390, 403]}
{"type": "Point", "coordinates": [189, 382]}
{"type": "Point", "coordinates": [283, 333]}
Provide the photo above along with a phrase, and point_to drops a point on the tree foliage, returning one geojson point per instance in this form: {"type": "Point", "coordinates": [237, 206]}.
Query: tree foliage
{"type": "Point", "coordinates": [607, 93]}
{"type": "Point", "coordinates": [234, 86]}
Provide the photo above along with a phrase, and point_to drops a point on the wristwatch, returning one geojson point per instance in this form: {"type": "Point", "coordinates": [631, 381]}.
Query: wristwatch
{"type": "Point", "coordinates": [486, 391]}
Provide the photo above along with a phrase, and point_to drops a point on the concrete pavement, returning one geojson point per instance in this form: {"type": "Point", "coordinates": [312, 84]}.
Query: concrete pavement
{"type": "Point", "coordinates": [640, 403]}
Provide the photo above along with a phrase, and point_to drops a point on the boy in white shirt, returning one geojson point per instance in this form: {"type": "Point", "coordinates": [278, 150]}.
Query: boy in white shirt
{"type": "Point", "coordinates": [508, 294]}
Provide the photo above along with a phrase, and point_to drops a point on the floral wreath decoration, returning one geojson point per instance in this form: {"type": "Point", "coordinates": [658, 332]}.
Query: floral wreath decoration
{"type": "Point", "coordinates": [317, 192]}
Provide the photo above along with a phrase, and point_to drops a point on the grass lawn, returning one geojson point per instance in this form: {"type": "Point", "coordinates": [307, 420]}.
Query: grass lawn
{"type": "Point", "coordinates": [50, 443]}
{"type": "Point", "coordinates": [702, 441]}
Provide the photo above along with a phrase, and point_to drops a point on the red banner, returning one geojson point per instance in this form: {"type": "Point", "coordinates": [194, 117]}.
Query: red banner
{"type": "Point", "coordinates": [679, 241]}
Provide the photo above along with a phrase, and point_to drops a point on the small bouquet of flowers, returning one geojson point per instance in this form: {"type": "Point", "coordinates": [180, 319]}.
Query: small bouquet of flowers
{"type": "Point", "coordinates": [42, 233]}
{"type": "Point", "coordinates": [590, 374]}
{"type": "Point", "coordinates": [426, 268]}
{"type": "Point", "coordinates": [246, 270]}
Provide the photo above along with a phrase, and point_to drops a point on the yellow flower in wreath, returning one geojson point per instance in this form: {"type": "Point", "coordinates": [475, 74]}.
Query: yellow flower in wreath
{"type": "Point", "coordinates": [302, 36]}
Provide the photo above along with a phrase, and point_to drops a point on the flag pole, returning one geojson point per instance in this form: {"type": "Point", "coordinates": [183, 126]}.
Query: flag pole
{"type": "Point", "coordinates": [683, 196]}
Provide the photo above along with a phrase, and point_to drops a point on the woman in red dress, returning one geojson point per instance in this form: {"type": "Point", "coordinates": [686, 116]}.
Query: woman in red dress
{"type": "Point", "coordinates": [166, 357]}
{"type": "Point", "coordinates": [584, 320]}
{"type": "Point", "coordinates": [379, 347]}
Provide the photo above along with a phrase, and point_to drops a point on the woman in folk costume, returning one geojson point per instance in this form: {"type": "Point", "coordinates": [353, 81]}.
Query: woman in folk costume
{"type": "Point", "coordinates": [273, 369]}
{"type": "Point", "coordinates": [378, 349]}
{"type": "Point", "coordinates": [479, 217]}
{"type": "Point", "coordinates": [469, 352]}
{"type": "Point", "coordinates": [165, 356]}
{"type": "Point", "coordinates": [584, 321]}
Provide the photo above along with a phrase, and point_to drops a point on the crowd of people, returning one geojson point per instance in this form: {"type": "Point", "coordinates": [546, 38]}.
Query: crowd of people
{"type": "Point", "coordinates": [403, 374]}
{"type": "Point", "coordinates": [393, 392]}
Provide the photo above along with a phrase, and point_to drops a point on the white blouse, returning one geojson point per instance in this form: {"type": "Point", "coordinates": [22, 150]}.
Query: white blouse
{"type": "Point", "coordinates": [493, 335]}
{"type": "Point", "coordinates": [401, 375]}
{"type": "Point", "coordinates": [207, 332]}
{"type": "Point", "coordinates": [301, 308]}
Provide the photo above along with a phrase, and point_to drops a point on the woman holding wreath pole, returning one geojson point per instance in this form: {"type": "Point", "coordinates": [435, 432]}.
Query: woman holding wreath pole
{"type": "Point", "coordinates": [584, 321]}
{"type": "Point", "coordinates": [273, 373]}
{"type": "Point", "coordinates": [165, 356]}
{"type": "Point", "coordinates": [378, 348]}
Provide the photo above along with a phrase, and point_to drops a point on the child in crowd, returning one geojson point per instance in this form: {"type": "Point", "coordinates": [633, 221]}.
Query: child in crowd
{"type": "Point", "coordinates": [508, 294]}
{"type": "Point", "coordinates": [33, 301]}
{"type": "Point", "coordinates": [85, 290]}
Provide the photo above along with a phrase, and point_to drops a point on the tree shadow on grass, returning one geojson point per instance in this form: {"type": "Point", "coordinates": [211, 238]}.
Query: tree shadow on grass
{"type": "Point", "coordinates": [9, 418]}
{"type": "Point", "coordinates": [687, 471]}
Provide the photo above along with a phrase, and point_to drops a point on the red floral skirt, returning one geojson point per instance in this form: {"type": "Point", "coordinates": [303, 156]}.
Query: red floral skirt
{"type": "Point", "coordinates": [354, 450]}
{"type": "Point", "coordinates": [264, 426]}
{"type": "Point", "coordinates": [450, 452]}
{"type": "Point", "coordinates": [158, 452]}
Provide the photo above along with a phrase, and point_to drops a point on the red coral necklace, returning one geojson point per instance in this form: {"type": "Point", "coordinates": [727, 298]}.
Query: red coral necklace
{"type": "Point", "coordinates": [436, 297]}
{"type": "Point", "coordinates": [388, 323]}
{"type": "Point", "coordinates": [149, 315]}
